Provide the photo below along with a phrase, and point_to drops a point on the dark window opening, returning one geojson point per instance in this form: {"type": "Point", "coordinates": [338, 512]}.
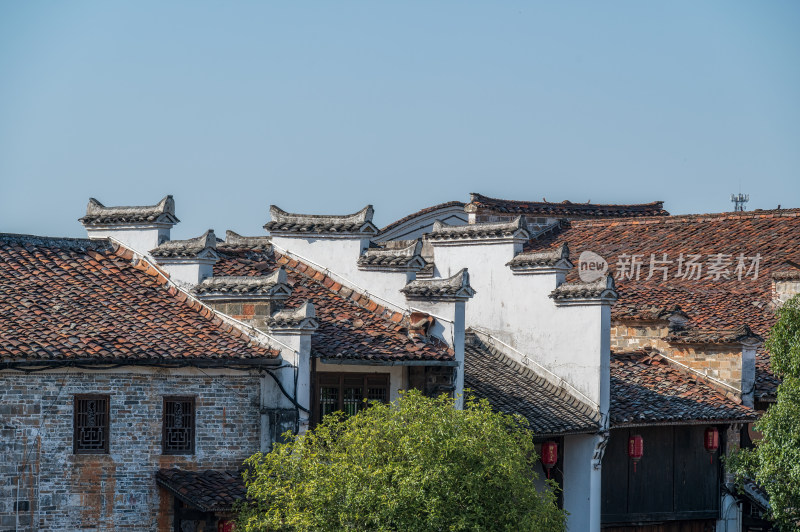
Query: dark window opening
{"type": "Point", "coordinates": [90, 424]}
{"type": "Point", "coordinates": [177, 435]}
{"type": "Point", "coordinates": [346, 392]}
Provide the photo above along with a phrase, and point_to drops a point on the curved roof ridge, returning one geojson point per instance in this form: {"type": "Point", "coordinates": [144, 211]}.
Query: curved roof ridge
{"type": "Point", "coordinates": [421, 212]}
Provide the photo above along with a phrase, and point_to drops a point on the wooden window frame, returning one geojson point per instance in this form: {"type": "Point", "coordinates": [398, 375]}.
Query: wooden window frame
{"type": "Point", "coordinates": [164, 429]}
{"type": "Point", "coordinates": [76, 449]}
{"type": "Point", "coordinates": [340, 376]}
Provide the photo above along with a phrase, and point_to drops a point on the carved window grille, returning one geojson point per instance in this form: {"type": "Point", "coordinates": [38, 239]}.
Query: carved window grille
{"type": "Point", "coordinates": [178, 426]}
{"type": "Point", "coordinates": [90, 424]}
{"type": "Point", "coordinates": [347, 392]}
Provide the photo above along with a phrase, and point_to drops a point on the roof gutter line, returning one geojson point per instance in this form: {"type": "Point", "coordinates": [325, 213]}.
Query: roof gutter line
{"type": "Point", "coordinates": [348, 362]}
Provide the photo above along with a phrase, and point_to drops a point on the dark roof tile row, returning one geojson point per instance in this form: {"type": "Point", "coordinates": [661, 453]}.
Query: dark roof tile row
{"type": "Point", "coordinates": [514, 389]}
{"type": "Point", "coordinates": [647, 389]}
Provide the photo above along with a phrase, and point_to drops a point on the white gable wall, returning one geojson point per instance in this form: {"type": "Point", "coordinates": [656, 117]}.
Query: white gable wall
{"type": "Point", "coordinates": [340, 256]}
{"type": "Point", "coordinates": [570, 341]}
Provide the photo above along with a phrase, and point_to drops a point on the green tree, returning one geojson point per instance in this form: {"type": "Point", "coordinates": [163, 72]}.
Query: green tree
{"type": "Point", "coordinates": [774, 463]}
{"type": "Point", "coordinates": [416, 464]}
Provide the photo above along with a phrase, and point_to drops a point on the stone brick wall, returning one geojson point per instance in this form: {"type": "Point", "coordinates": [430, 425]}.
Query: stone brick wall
{"type": "Point", "coordinates": [254, 312]}
{"type": "Point", "coordinates": [720, 362]}
{"type": "Point", "coordinates": [117, 491]}
{"type": "Point", "coordinates": [784, 290]}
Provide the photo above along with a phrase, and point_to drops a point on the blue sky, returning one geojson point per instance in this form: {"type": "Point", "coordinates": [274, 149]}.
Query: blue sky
{"type": "Point", "coordinates": [323, 107]}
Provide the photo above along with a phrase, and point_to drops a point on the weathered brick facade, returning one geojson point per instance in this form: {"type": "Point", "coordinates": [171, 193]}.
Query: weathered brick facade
{"type": "Point", "coordinates": [723, 362]}
{"type": "Point", "coordinates": [116, 491]}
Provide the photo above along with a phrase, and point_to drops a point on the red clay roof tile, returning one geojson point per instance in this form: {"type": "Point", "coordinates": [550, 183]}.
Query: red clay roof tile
{"type": "Point", "coordinates": [80, 300]}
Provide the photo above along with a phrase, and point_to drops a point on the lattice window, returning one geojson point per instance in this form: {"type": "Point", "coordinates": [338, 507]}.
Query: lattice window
{"type": "Point", "coordinates": [346, 392]}
{"type": "Point", "coordinates": [178, 426]}
{"type": "Point", "coordinates": [90, 424]}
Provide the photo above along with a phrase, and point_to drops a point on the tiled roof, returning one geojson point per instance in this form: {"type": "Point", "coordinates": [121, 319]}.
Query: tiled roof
{"type": "Point", "coordinates": [443, 231]}
{"type": "Point", "coordinates": [646, 389]}
{"type": "Point", "coordinates": [456, 286]}
{"type": "Point", "coordinates": [565, 208]}
{"type": "Point", "coordinates": [351, 325]}
{"type": "Point", "coordinates": [393, 254]}
{"type": "Point", "coordinates": [282, 221]}
{"type": "Point", "coordinates": [99, 214]}
{"type": "Point", "coordinates": [74, 300]}
{"type": "Point", "coordinates": [422, 212]}
{"type": "Point", "coordinates": [709, 303]}
{"type": "Point", "coordinates": [207, 491]}
{"type": "Point", "coordinates": [186, 248]}
{"type": "Point", "coordinates": [514, 389]}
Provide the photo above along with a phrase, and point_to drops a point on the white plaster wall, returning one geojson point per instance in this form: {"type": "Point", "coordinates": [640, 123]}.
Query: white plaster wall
{"type": "Point", "coordinates": [398, 375]}
{"type": "Point", "coordinates": [186, 273]}
{"type": "Point", "coordinates": [571, 341]}
{"type": "Point", "coordinates": [340, 257]}
{"type": "Point", "coordinates": [581, 484]}
{"type": "Point", "coordinates": [135, 238]}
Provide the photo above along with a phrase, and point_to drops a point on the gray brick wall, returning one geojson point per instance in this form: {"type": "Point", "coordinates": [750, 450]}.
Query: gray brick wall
{"type": "Point", "coordinates": [62, 491]}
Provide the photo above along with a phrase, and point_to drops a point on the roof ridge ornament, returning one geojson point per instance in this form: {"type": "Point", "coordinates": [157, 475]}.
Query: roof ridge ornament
{"type": "Point", "coordinates": [299, 319]}
{"type": "Point", "coordinates": [395, 255]}
{"type": "Point", "coordinates": [548, 261]}
{"type": "Point", "coordinates": [565, 208]}
{"type": "Point", "coordinates": [235, 240]}
{"type": "Point", "coordinates": [99, 214]}
{"type": "Point", "coordinates": [285, 223]}
{"type": "Point", "coordinates": [453, 288]}
{"type": "Point", "coordinates": [601, 291]}
{"type": "Point", "coordinates": [203, 246]}
{"type": "Point", "coordinates": [740, 334]}
{"type": "Point", "coordinates": [515, 230]}
{"type": "Point", "coordinates": [272, 286]}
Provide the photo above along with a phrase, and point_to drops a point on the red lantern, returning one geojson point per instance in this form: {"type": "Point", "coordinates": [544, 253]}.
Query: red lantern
{"type": "Point", "coordinates": [635, 449]}
{"type": "Point", "coordinates": [711, 442]}
{"type": "Point", "coordinates": [226, 526]}
{"type": "Point", "coordinates": [549, 455]}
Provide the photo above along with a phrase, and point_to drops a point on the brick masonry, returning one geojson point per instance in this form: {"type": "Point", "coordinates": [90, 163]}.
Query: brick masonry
{"type": "Point", "coordinates": [117, 491]}
{"type": "Point", "coordinates": [722, 362]}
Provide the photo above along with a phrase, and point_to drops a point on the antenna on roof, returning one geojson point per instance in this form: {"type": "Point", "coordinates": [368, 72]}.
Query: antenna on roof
{"type": "Point", "coordinates": [739, 200]}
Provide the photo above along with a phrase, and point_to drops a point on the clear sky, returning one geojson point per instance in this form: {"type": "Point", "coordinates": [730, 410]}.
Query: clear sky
{"type": "Point", "coordinates": [323, 107]}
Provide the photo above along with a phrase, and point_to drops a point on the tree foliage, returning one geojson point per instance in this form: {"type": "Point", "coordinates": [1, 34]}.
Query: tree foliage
{"type": "Point", "coordinates": [774, 463]}
{"type": "Point", "coordinates": [416, 464]}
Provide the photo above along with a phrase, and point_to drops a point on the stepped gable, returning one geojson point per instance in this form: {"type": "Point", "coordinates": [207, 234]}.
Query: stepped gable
{"type": "Point", "coordinates": [352, 326]}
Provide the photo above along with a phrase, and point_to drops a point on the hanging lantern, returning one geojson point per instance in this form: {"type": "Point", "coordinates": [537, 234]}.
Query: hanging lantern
{"type": "Point", "coordinates": [635, 449]}
{"type": "Point", "coordinates": [711, 442]}
{"type": "Point", "coordinates": [549, 455]}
